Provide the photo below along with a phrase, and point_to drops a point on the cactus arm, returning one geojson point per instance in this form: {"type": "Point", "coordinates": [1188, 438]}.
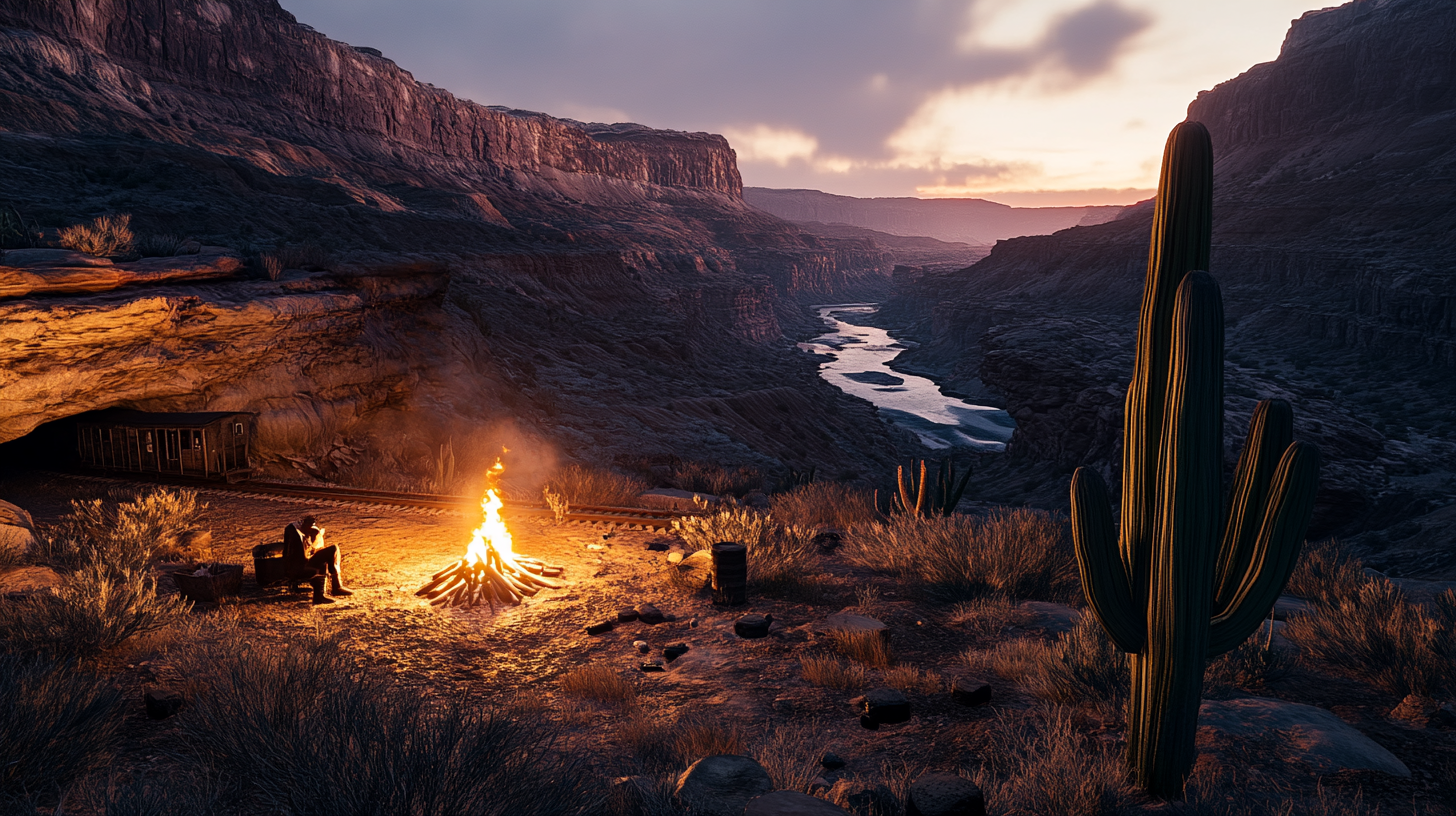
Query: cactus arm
{"type": "Point", "coordinates": [905, 504]}
{"type": "Point", "coordinates": [1181, 240]}
{"type": "Point", "coordinates": [920, 494]}
{"type": "Point", "coordinates": [959, 490]}
{"type": "Point", "coordinates": [1290, 507]}
{"type": "Point", "coordinates": [1271, 429]}
{"type": "Point", "coordinates": [1104, 582]}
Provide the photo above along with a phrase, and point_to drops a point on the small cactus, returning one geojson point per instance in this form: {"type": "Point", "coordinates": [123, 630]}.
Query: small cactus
{"type": "Point", "coordinates": [917, 497]}
{"type": "Point", "coordinates": [1169, 591]}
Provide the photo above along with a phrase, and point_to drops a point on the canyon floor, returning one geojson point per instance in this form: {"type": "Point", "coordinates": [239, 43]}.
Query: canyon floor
{"type": "Point", "coordinates": [753, 690]}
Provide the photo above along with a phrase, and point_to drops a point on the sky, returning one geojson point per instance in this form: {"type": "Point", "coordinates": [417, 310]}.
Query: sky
{"type": "Point", "coordinates": [1025, 102]}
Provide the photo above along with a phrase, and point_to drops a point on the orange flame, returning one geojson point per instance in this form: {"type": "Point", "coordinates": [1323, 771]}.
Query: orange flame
{"type": "Point", "coordinates": [492, 536]}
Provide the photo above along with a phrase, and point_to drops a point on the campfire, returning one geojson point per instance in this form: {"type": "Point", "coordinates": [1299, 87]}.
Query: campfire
{"type": "Point", "coordinates": [490, 570]}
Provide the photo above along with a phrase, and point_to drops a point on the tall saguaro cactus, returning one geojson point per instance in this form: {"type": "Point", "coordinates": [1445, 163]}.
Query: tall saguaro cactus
{"type": "Point", "coordinates": [1181, 581]}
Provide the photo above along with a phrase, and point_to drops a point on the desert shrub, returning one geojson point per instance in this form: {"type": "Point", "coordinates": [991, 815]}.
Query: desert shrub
{"type": "Point", "coordinates": [600, 683]}
{"type": "Point", "coordinates": [831, 672]}
{"type": "Point", "coordinates": [1016, 553]}
{"type": "Point", "coordinates": [159, 245]}
{"type": "Point", "coordinates": [716, 480]}
{"type": "Point", "coordinates": [781, 565]}
{"type": "Point", "coordinates": [127, 535]}
{"type": "Point", "coordinates": [56, 724]}
{"type": "Point", "coordinates": [1047, 768]}
{"type": "Point", "coordinates": [1083, 666]}
{"type": "Point", "coordinates": [791, 753]}
{"type": "Point", "coordinates": [580, 485]}
{"type": "Point", "coordinates": [307, 256]}
{"type": "Point", "coordinates": [104, 237]}
{"type": "Point", "coordinates": [910, 678]}
{"type": "Point", "coordinates": [1252, 665]}
{"type": "Point", "coordinates": [15, 232]}
{"type": "Point", "coordinates": [269, 266]}
{"type": "Point", "coordinates": [869, 648]}
{"type": "Point", "coordinates": [676, 742]}
{"type": "Point", "coordinates": [1326, 571]}
{"type": "Point", "coordinates": [985, 617]}
{"type": "Point", "coordinates": [733, 523]}
{"type": "Point", "coordinates": [1376, 633]}
{"type": "Point", "coordinates": [300, 730]}
{"type": "Point", "coordinates": [830, 504]}
{"type": "Point", "coordinates": [96, 608]}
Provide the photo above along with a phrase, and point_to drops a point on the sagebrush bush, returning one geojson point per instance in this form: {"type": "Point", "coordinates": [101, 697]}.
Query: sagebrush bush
{"type": "Point", "coordinates": [743, 525]}
{"type": "Point", "coordinates": [127, 535]}
{"type": "Point", "coordinates": [600, 683]}
{"type": "Point", "coordinates": [96, 608]}
{"type": "Point", "coordinates": [826, 504]}
{"type": "Point", "coordinates": [299, 729]}
{"type": "Point", "coordinates": [580, 485]}
{"type": "Point", "coordinates": [1374, 632]}
{"type": "Point", "coordinates": [1083, 667]}
{"type": "Point", "coordinates": [1325, 571]}
{"type": "Point", "coordinates": [104, 237]}
{"type": "Point", "coordinates": [159, 245]}
{"type": "Point", "coordinates": [1015, 553]}
{"type": "Point", "coordinates": [56, 725]}
{"type": "Point", "coordinates": [1048, 768]}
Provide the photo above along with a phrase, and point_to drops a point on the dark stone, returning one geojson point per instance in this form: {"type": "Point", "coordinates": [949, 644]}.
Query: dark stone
{"type": "Point", "coordinates": [647, 613]}
{"type": "Point", "coordinates": [753, 625]}
{"type": "Point", "coordinates": [600, 628]}
{"type": "Point", "coordinates": [652, 666]}
{"type": "Point", "coordinates": [673, 651]}
{"type": "Point", "coordinates": [943, 794]}
{"type": "Point", "coordinates": [627, 616]}
{"type": "Point", "coordinates": [868, 722]}
{"type": "Point", "coordinates": [828, 539]}
{"type": "Point", "coordinates": [162, 703]}
{"type": "Point", "coordinates": [832, 761]}
{"type": "Point", "coordinates": [660, 544]}
{"type": "Point", "coordinates": [792, 803]}
{"type": "Point", "coordinates": [971, 691]}
{"type": "Point", "coordinates": [885, 706]}
{"type": "Point", "coordinates": [721, 785]}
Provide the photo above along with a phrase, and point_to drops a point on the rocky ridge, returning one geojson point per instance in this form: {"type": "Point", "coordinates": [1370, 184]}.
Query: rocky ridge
{"type": "Point", "coordinates": [1335, 211]}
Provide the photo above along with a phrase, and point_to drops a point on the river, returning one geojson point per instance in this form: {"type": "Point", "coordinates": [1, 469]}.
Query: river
{"type": "Point", "coordinates": [861, 368]}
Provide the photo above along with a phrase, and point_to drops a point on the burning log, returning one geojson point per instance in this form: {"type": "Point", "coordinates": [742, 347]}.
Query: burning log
{"type": "Point", "coordinates": [490, 571]}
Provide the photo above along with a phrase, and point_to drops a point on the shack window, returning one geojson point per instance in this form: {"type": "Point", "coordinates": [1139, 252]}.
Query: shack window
{"type": "Point", "coordinates": [149, 442]}
{"type": "Point", "coordinates": [197, 440]}
{"type": "Point", "coordinates": [186, 441]}
{"type": "Point", "coordinates": [237, 429]}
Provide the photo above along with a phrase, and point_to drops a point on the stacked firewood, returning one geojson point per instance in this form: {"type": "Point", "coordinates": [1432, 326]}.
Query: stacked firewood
{"type": "Point", "coordinates": [470, 581]}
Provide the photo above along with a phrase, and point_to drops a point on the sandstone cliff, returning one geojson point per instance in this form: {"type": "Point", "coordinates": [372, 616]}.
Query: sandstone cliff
{"type": "Point", "coordinates": [489, 275]}
{"type": "Point", "coordinates": [1334, 240]}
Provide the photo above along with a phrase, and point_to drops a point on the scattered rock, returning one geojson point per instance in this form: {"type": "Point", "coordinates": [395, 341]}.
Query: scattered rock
{"type": "Point", "coordinates": [597, 547]}
{"type": "Point", "coordinates": [641, 646]}
{"type": "Point", "coordinates": [600, 628]}
{"type": "Point", "coordinates": [1424, 712]}
{"type": "Point", "coordinates": [675, 556]}
{"type": "Point", "coordinates": [22, 581]}
{"type": "Point", "coordinates": [850, 622]}
{"type": "Point", "coordinates": [626, 616]}
{"type": "Point", "coordinates": [17, 530]}
{"type": "Point", "coordinates": [652, 666]}
{"type": "Point", "coordinates": [669, 617]}
{"type": "Point", "coordinates": [971, 691]}
{"type": "Point", "coordinates": [1304, 733]}
{"type": "Point", "coordinates": [162, 703]}
{"type": "Point", "coordinates": [661, 543]}
{"type": "Point", "coordinates": [943, 794]}
{"type": "Point", "coordinates": [721, 785]}
{"type": "Point", "coordinates": [832, 761]}
{"type": "Point", "coordinates": [792, 803]}
{"type": "Point", "coordinates": [673, 651]}
{"type": "Point", "coordinates": [752, 625]}
{"type": "Point", "coordinates": [885, 706]}
{"type": "Point", "coordinates": [647, 613]}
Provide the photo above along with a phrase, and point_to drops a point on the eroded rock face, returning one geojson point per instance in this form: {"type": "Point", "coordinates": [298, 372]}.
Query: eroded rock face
{"type": "Point", "coordinates": [578, 291]}
{"type": "Point", "coordinates": [1333, 246]}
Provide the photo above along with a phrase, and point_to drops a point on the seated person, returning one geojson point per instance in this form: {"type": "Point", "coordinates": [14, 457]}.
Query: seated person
{"type": "Point", "coordinates": [305, 558]}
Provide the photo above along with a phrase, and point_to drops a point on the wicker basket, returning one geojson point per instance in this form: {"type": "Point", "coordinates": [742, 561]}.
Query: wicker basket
{"type": "Point", "coordinates": [268, 564]}
{"type": "Point", "coordinates": [226, 579]}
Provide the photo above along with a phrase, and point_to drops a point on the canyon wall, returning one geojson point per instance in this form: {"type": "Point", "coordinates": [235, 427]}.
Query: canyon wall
{"type": "Point", "coordinates": [1334, 242]}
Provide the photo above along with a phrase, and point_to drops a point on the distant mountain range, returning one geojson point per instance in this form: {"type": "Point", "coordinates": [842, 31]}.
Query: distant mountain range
{"type": "Point", "coordinates": [968, 220]}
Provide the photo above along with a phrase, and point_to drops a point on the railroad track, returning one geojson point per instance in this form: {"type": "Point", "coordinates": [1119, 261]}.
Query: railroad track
{"type": "Point", "coordinates": [639, 517]}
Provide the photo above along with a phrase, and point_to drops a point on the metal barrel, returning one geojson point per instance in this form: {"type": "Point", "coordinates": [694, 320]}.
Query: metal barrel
{"type": "Point", "coordinates": [730, 573]}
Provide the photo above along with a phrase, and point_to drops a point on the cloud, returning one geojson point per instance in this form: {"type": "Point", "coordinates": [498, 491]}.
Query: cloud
{"type": "Point", "coordinates": [1086, 41]}
{"type": "Point", "coordinates": [763, 143]}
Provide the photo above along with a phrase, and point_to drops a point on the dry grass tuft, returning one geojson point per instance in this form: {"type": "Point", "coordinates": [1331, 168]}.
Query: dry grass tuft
{"type": "Point", "coordinates": [985, 618]}
{"type": "Point", "coordinates": [791, 753]}
{"type": "Point", "coordinates": [311, 257]}
{"type": "Point", "coordinates": [1081, 667]}
{"type": "Point", "coordinates": [580, 485]}
{"type": "Point", "coordinates": [869, 648]}
{"type": "Point", "coordinates": [909, 678]}
{"type": "Point", "coordinates": [780, 558]}
{"type": "Point", "coordinates": [716, 480]}
{"type": "Point", "coordinates": [56, 724]}
{"type": "Point", "coordinates": [661, 744]}
{"type": "Point", "coordinates": [831, 504]}
{"type": "Point", "coordinates": [104, 237]}
{"type": "Point", "coordinates": [831, 672]}
{"type": "Point", "coordinates": [1253, 665]}
{"type": "Point", "coordinates": [1016, 553]}
{"type": "Point", "coordinates": [96, 608]}
{"type": "Point", "coordinates": [1047, 768]}
{"type": "Point", "coordinates": [599, 683]}
{"type": "Point", "coordinates": [1326, 571]}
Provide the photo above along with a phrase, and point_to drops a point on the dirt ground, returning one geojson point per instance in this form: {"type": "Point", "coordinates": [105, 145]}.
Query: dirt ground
{"type": "Point", "coordinates": [756, 685]}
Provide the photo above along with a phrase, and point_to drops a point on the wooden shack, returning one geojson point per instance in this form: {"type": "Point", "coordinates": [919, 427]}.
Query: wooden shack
{"type": "Point", "coordinates": [206, 444]}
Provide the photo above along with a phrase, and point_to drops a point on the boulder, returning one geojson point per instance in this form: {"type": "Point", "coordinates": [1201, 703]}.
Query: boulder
{"type": "Point", "coordinates": [647, 613]}
{"type": "Point", "coordinates": [673, 651]}
{"type": "Point", "coordinates": [832, 761]}
{"type": "Point", "coordinates": [626, 615]}
{"type": "Point", "coordinates": [753, 625]}
{"type": "Point", "coordinates": [971, 691]}
{"type": "Point", "coordinates": [792, 803]}
{"type": "Point", "coordinates": [943, 794]}
{"type": "Point", "coordinates": [23, 581]}
{"type": "Point", "coordinates": [1304, 733]}
{"type": "Point", "coordinates": [1288, 605]}
{"type": "Point", "coordinates": [17, 532]}
{"type": "Point", "coordinates": [721, 785]}
{"type": "Point", "coordinates": [885, 706]}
